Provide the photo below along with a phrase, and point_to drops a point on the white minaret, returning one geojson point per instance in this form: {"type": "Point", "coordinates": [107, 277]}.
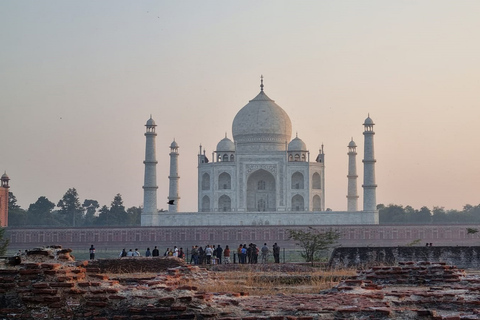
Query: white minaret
{"type": "Point", "coordinates": [173, 197]}
{"type": "Point", "coordinates": [352, 195]}
{"type": "Point", "coordinates": [369, 186]}
{"type": "Point", "coordinates": [150, 212]}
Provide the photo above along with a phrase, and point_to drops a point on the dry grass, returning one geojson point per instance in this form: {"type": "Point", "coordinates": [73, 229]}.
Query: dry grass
{"type": "Point", "coordinates": [269, 282]}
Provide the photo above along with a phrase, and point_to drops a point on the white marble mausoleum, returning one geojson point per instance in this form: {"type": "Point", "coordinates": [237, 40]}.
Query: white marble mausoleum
{"type": "Point", "coordinates": [261, 177]}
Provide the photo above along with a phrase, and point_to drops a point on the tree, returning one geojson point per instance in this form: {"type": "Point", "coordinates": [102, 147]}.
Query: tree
{"type": "Point", "coordinates": [134, 216]}
{"type": "Point", "coordinates": [313, 242]}
{"type": "Point", "coordinates": [3, 242]}
{"type": "Point", "coordinates": [103, 216]}
{"type": "Point", "coordinates": [40, 212]}
{"type": "Point", "coordinates": [70, 207]}
{"type": "Point", "coordinates": [117, 212]}
{"type": "Point", "coordinates": [16, 215]}
{"type": "Point", "coordinates": [91, 207]}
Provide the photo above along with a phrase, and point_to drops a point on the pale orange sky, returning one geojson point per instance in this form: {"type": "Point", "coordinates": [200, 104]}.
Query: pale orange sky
{"type": "Point", "coordinates": [79, 79]}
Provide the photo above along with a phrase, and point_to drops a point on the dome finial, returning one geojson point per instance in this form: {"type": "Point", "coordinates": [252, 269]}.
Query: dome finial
{"type": "Point", "coordinates": [261, 83]}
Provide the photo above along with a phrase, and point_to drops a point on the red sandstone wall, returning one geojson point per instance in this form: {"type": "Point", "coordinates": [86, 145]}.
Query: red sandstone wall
{"type": "Point", "coordinates": [142, 237]}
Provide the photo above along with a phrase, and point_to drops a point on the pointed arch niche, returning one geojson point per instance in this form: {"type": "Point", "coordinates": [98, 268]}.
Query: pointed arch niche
{"type": "Point", "coordinates": [298, 203]}
{"type": "Point", "coordinates": [261, 191]}
{"type": "Point", "coordinates": [317, 203]}
{"type": "Point", "coordinates": [206, 204]}
{"type": "Point", "coordinates": [205, 181]}
{"type": "Point", "coordinates": [316, 182]}
{"type": "Point", "coordinates": [224, 181]}
{"type": "Point", "coordinates": [297, 180]}
{"type": "Point", "coordinates": [224, 203]}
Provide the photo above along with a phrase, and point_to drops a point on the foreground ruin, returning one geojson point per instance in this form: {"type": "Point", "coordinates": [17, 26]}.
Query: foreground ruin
{"type": "Point", "coordinates": [167, 288]}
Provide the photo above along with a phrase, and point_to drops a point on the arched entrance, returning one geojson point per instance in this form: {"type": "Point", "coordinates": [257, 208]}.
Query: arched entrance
{"type": "Point", "coordinates": [261, 191]}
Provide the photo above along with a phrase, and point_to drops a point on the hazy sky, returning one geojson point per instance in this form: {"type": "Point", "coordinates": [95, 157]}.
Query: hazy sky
{"type": "Point", "coordinates": [79, 79]}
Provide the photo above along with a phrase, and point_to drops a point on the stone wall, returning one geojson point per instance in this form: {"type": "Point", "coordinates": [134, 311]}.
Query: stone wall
{"type": "Point", "coordinates": [278, 218]}
{"type": "Point", "coordinates": [463, 257]}
{"type": "Point", "coordinates": [143, 237]}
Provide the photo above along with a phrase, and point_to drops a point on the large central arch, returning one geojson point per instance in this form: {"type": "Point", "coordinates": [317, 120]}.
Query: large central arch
{"type": "Point", "coordinates": [261, 191]}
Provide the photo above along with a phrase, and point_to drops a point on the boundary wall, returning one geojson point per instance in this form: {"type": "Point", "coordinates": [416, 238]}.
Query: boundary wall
{"type": "Point", "coordinates": [461, 256]}
{"type": "Point", "coordinates": [143, 237]}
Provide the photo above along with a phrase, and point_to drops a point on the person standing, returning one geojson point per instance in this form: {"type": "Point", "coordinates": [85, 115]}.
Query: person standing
{"type": "Point", "coordinates": [148, 253]}
{"type": "Point", "coordinates": [264, 253]}
{"type": "Point", "coordinates": [219, 254]}
{"type": "Point", "coordinates": [226, 255]}
{"type": "Point", "coordinates": [123, 253]}
{"type": "Point", "coordinates": [276, 253]}
{"type": "Point", "coordinates": [208, 254]}
{"type": "Point", "coordinates": [155, 252]}
{"type": "Point", "coordinates": [92, 252]}
{"type": "Point", "coordinates": [136, 253]}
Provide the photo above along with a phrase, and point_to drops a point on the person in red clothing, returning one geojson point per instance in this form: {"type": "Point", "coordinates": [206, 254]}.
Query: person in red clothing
{"type": "Point", "coordinates": [226, 255]}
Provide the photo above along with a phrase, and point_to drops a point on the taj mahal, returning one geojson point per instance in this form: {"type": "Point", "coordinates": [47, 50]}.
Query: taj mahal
{"type": "Point", "coordinates": [262, 177]}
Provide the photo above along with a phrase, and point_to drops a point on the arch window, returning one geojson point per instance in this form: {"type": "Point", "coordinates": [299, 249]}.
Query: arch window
{"type": "Point", "coordinates": [317, 204]}
{"type": "Point", "coordinates": [290, 157]}
{"type": "Point", "coordinates": [225, 157]}
{"type": "Point", "coordinates": [261, 185]}
{"type": "Point", "coordinates": [224, 203]}
{"type": "Point", "coordinates": [206, 181]}
{"type": "Point", "coordinates": [224, 181]}
{"type": "Point", "coordinates": [298, 203]}
{"type": "Point", "coordinates": [316, 183]}
{"type": "Point", "coordinates": [303, 158]}
{"type": "Point", "coordinates": [205, 204]}
{"type": "Point", "coordinates": [297, 157]}
{"type": "Point", "coordinates": [232, 157]}
{"type": "Point", "coordinates": [297, 181]}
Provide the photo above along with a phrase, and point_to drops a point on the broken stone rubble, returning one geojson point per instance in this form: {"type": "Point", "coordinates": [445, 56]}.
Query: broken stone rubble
{"type": "Point", "coordinates": [84, 290]}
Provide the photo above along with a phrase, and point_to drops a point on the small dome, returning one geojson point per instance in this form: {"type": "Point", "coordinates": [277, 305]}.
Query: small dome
{"type": "Point", "coordinates": [150, 122]}
{"type": "Point", "coordinates": [174, 145]}
{"type": "Point", "coordinates": [368, 122]}
{"type": "Point", "coordinates": [226, 145]}
{"type": "Point", "coordinates": [297, 144]}
{"type": "Point", "coordinates": [352, 144]}
{"type": "Point", "coordinates": [5, 176]}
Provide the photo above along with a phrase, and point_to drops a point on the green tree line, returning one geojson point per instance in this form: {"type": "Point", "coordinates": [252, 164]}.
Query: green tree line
{"type": "Point", "coordinates": [69, 211]}
{"type": "Point", "coordinates": [397, 214]}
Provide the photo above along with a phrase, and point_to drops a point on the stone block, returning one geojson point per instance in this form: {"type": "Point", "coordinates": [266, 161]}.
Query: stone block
{"type": "Point", "coordinates": [166, 300]}
{"type": "Point", "coordinates": [76, 291]}
{"type": "Point", "coordinates": [100, 304]}
{"type": "Point", "coordinates": [45, 291]}
{"type": "Point", "coordinates": [178, 308]}
{"type": "Point", "coordinates": [62, 284]}
{"type": "Point", "coordinates": [50, 266]}
{"type": "Point", "coordinates": [99, 276]}
{"type": "Point", "coordinates": [30, 272]}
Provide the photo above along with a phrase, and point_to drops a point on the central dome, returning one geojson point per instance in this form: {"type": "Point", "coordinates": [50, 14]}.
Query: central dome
{"type": "Point", "coordinates": [263, 122]}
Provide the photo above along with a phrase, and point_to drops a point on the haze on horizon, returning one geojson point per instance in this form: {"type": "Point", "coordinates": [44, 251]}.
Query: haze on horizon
{"type": "Point", "coordinates": [80, 79]}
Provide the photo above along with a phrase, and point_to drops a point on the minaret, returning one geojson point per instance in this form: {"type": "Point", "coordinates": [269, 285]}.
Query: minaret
{"type": "Point", "coordinates": [369, 186]}
{"type": "Point", "coordinates": [352, 195]}
{"type": "Point", "coordinates": [150, 211]}
{"type": "Point", "coordinates": [173, 197]}
{"type": "Point", "coordinates": [4, 200]}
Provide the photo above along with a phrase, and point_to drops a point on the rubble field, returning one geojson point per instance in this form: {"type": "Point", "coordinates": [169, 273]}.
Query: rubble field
{"type": "Point", "coordinates": [48, 283]}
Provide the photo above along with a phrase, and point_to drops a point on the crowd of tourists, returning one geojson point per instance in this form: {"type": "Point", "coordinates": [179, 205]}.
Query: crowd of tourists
{"type": "Point", "coordinates": [211, 254]}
